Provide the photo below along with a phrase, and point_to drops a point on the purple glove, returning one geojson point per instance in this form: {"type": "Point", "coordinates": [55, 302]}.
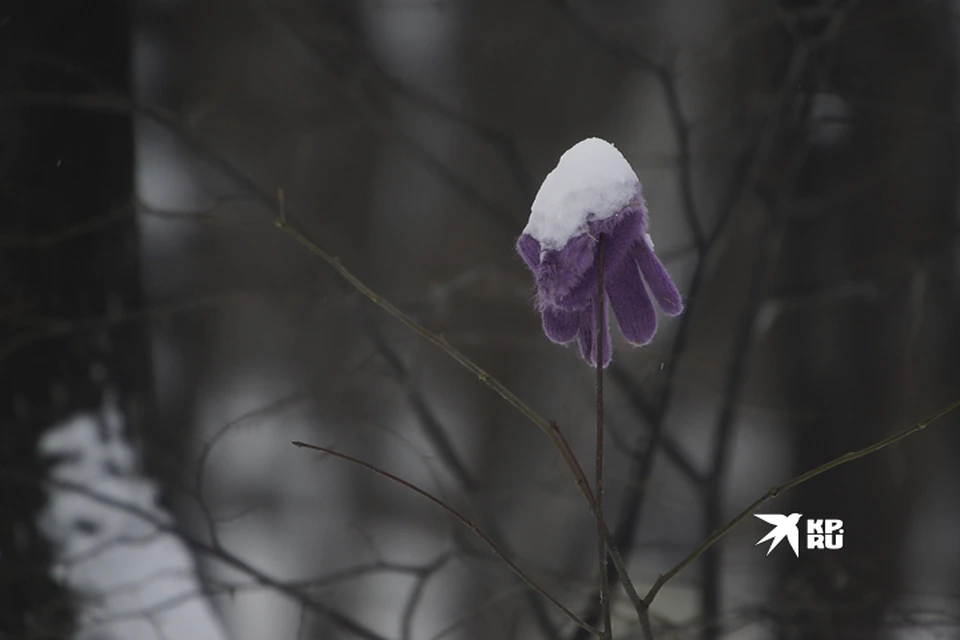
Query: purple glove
{"type": "Point", "coordinates": [566, 273]}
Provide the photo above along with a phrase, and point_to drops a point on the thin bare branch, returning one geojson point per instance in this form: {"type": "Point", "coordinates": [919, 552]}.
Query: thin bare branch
{"type": "Point", "coordinates": [716, 536]}
{"type": "Point", "coordinates": [603, 588]}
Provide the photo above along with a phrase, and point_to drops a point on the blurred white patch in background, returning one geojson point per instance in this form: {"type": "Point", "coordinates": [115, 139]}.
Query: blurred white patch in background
{"type": "Point", "coordinates": [413, 43]}
{"type": "Point", "coordinates": [113, 547]}
{"type": "Point", "coordinates": [251, 476]}
{"type": "Point", "coordinates": [164, 178]}
{"type": "Point", "coordinates": [830, 120]}
{"type": "Point", "coordinates": [930, 560]}
{"type": "Point", "coordinates": [415, 39]}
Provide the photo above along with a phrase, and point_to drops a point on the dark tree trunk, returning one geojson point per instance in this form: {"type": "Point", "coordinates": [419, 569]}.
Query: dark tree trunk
{"type": "Point", "coordinates": [876, 212]}
{"type": "Point", "coordinates": [69, 267]}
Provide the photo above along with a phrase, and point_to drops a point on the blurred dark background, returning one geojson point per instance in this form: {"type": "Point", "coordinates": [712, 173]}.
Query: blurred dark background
{"type": "Point", "coordinates": [800, 162]}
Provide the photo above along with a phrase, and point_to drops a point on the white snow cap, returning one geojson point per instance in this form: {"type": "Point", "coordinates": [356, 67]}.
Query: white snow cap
{"type": "Point", "coordinates": [592, 181]}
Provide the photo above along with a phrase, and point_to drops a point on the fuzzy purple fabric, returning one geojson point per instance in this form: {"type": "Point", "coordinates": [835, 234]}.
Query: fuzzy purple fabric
{"type": "Point", "coordinates": [566, 281]}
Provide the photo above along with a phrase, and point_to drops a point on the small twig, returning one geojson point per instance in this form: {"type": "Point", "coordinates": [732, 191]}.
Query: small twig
{"type": "Point", "coordinates": [777, 490]}
{"type": "Point", "coordinates": [465, 521]}
{"type": "Point", "coordinates": [604, 589]}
